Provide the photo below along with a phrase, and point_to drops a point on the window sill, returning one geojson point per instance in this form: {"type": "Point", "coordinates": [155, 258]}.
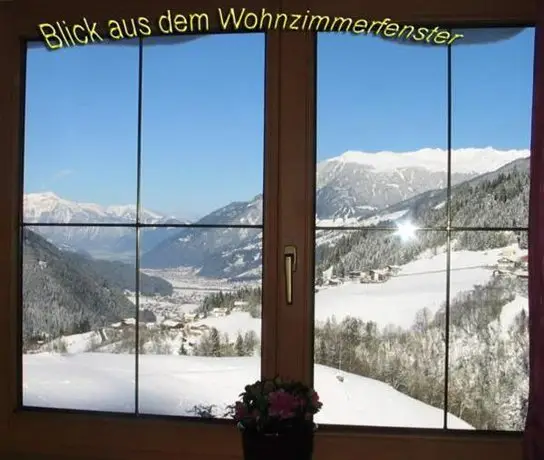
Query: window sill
{"type": "Point", "coordinates": [42, 435]}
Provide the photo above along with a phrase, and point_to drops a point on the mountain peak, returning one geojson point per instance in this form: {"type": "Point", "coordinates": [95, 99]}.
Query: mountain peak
{"type": "Point", "coordinates": [49, 207]}
{"type": "Point", "coordinates": [466, 160]}
{"type": "Point", "coordinates": [42, 196]}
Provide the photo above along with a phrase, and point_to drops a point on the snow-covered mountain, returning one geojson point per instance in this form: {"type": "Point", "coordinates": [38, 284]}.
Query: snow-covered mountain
{"type": "Point", "coordinates": [350, 187]}
{"type": "Point", "coordinates": [357, 184]}
{"type": "Point", "coordinates": [232, 250]}
{"type": "Point", "coordinates": [48, 207]}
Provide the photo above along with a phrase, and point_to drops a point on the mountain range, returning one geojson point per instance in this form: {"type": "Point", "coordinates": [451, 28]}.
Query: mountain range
{"type": "Point", "coordinates": [104, 242]}
{"type": "Point", "coordinates": [352, 189]}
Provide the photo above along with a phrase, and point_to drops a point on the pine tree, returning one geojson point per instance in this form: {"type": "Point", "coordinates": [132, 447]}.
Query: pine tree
{"type": "Point", "coordinates": [239, 346]}
{"type": "Point", "coordinates": [319, 276]}
{"type": "Point", "coordinates": [321, 357]}
{"type": "Point", "coordinates": [215, 342]}
{"type": "Point", "coordinates": [250, 342]}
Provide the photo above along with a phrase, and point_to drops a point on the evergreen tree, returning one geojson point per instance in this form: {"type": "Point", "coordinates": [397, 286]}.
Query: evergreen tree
{"type": "Point", "coordinates": [250, 342]}
{"type": "Point", "coordinates": [215, 341]}
{"type": "Point", "coordinates": [321, 355]}
{"type": "Point", "coordinates": [239, 346]}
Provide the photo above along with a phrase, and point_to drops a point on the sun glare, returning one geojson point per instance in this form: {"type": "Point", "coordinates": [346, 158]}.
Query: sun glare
{"type": "Point", "coordinates": [406, 230]}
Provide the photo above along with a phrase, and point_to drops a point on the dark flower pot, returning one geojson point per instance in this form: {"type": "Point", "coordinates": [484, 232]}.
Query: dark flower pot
{"type": "Point", "coordinates": [292, 444]}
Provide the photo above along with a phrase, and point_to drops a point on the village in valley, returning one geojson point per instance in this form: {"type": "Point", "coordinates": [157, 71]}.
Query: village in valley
{"type": "Point", "coordinates": [512, 262]}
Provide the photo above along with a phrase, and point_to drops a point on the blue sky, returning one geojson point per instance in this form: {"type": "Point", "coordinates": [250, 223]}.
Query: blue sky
{"type": "Point", "coordinates": [202, 142]}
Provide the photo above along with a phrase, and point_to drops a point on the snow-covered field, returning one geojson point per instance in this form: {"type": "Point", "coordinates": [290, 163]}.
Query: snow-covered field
{"type": "Point", "coordinates": [419, 284]}
{"type": "Point", "coordinates": [173, 385]}
{"type": "Point", "coordinates": [236, 322]}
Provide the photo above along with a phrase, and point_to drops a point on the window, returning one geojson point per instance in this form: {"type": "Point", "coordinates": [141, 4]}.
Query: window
{"type": "Point", "coordinates": [152, 141]}
{"type": "Point", "coordinates": [421, 250]}
{"type": "Point", "coordinates": [150, 272]}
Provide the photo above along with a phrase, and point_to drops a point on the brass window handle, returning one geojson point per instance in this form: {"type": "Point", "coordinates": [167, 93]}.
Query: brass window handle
{"type": "Point", "coordinates": [290, 264]}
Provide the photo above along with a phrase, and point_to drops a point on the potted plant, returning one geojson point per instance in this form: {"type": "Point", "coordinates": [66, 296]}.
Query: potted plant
{"type": "Point", "coordinates": [275, 418]}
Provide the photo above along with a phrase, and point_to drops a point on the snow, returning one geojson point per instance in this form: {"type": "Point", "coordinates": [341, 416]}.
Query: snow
{"type": "Point", "coordinates": [419, 284]}
{"type": "Point", "coordinates": [237, 322]}
{"type": "Point", "coordinates": [380, 406]}
{"type": "Point", "coordinates": [57, 209]}
{"type": "Point", "coordinates": [512, 309]}
{"type": "Point", "coordinates": [173, 385]}
{"type": "Point", "coordinates": [469, 160]}
{"type": "Point", "coordinates": [77, 343]}
{"type": "Point", "coordinates": [375, 220]}
{"type": "Point", "coordinates": [337, 222]}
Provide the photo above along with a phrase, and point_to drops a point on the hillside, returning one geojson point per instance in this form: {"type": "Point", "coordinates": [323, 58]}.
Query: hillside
{"type": "Point", "coordinates": [66, 293]}
{"type": "Point", "coordinates": [498, 199]}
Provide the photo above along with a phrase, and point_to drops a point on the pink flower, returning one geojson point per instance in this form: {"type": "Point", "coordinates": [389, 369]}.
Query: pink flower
{"type": "Point", "coordinates": [282, 404]}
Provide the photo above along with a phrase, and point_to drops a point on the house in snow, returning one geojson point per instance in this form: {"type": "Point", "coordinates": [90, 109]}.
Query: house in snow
{"type": "Point", "coordinates": [127, 323]}
{"type": "Point", "coordinates": [354, 275]}
{"type": "Point", "coordinates": [172, 324]}
{"type": "Point", "coordinates": [393, 269]}
{"type": "Point", "coordinates": [333, 282]}
{"type": "Point", "coordinates": [379, 275]}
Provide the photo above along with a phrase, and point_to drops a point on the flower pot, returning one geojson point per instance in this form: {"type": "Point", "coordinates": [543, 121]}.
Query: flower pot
{"type": "Point", "coordinates": [293, 444]}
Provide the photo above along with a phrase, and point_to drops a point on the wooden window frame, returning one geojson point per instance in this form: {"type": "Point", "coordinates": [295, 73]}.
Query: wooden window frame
{"type": "Point", "coordinates": [288, 219]}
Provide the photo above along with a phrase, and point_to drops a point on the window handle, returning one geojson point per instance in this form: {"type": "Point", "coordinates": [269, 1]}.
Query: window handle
{"type": "Point", "coordinates": [290, 259]}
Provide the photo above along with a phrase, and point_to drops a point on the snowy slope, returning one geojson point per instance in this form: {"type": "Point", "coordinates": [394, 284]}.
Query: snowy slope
{"type": "Point", "coordinates": [420, 284]}
{"type": "Point", "coordinates": [236, 322]}
{"type": "Point", "coordinates": [173, 385]}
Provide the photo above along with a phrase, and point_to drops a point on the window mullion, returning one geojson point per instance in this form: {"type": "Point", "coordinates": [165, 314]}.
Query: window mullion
{"type": "Point", "coordinates": [297, 210]}
{"type": "Point", "coordinates": [138, 216]}
{"type": "Point", "coordinates": [448, 240]}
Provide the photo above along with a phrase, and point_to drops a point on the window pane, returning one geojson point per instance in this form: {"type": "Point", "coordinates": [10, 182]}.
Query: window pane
{"type": "Point", "coordinates": [206, 328]}
{"type": "Point", "coordinates": [80, 142]}
{"type": "Point", "coordinates": [489, 352]}
{"type": "Point", "coordinates": [379, 348]}
{"type": "Point", "coordinates": [381, 142]}
{"type": "Point", "coordinates": [203, 120]}
{"type": "Point", "coordinates": [492, 86]}
{"type": "Point", "coordinates": [78, 327]}
{"type": "Point", "coordinates": [382, 132]}
{"type": "Point", "coordinates": [203, 129]}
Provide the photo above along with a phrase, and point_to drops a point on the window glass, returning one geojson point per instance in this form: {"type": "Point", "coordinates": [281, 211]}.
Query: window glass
{"type": "Point", "coordinates": [142, 235]}
{"type": "Point", "coordinates": [415, 320]}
